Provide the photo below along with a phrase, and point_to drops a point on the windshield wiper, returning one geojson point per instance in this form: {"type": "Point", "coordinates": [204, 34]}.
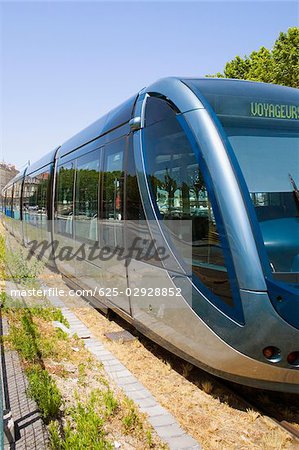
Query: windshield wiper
{"type": "Point", "coordinates": [294, 186]}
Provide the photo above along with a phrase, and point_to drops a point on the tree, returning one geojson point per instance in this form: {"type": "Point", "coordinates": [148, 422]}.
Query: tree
{"type": "Point", "coordinates": [237, 68]}
{"type": "Point", "coordinates": [261, 66]}
{"type": "Point", "coordinates": [279, 65]}
{"type": "Point", "coordinates": [286, 58]}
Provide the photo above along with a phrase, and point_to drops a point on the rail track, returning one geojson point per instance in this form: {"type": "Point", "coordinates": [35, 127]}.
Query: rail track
{"type": "Point", "coordinates": [244, 394]}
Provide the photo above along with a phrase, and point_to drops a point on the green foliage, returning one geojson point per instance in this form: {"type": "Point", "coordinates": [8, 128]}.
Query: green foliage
{"type": "Point", "coordinates": [54, 435]}
{"type": "Point", "coordinates": [81, 373]}
{"type": "Point", "coordinates": [131, 420]}
{"type": "Point", "coordinates": [279, 65]}
{"type": "Point", "coordinates": [49, 313]}
{"type": "Point", "coordinates": [26, 339]}
{"type": "Point", "coordinates": [149, 438]}
{"type": "Point", "coordinates": [84, 423]}
{"type": "Point", "coordinates": [85, 427]}
{"type": "Point", "coordinates": [24, 336]}
{"type": "Point", "coordinates": [110, 403]}
{"type": "Point", "coordinates": [5, 301]}
{"type": "Point", "coordinates": [2, 256]}
{"type": "Point", "coordinates": [43, 390]}
{"type": "Point", "coordinates": [62, 335]}
{"type": "Point", "coordinates": [237, 68]}
{"type": "Point", "coordinates": [286, 58]}
{"type": "Point", "coordinates": [22, 269]}
{"type": "Point", "coordinates": [55, 439]}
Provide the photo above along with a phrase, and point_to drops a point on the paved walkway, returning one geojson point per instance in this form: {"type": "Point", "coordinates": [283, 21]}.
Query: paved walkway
{"type": "Point", "coordinates": [24, 410]}
{"type": "Point", "coordinates": [163, 422]}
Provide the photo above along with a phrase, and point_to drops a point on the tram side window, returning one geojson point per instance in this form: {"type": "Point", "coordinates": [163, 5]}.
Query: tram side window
{"type": "Point", "coordinates": [113, 180]}
{"type": "Point", "coordinates": [16, 199]}
{"type": "Point", "coordinates": [43, 181]}
{"type": "Point", "coordinates": [64, 198]}
{"type": "Point", "coordinates": [3, 202]}
{"type": "Point", "coordinates": [113, 192]}
{"type": "Point", "coordinates": [8, 204]}
{"type": "Point", "coordinates": [86, 198]}
{"type": "Point", "coordinates": [178, 186]}
{"type": "Point", "coordinates": [29, 197]}
{"type": "Point", "coordinates": [35, 196]}
{"type": "Point", "coordinates": [134, 207]}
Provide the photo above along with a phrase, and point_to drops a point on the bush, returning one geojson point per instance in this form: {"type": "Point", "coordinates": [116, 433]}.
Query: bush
{"type": "Point", "coordinates": [43, 390]}
{"type": "Point", "coordinates": [22, 269]}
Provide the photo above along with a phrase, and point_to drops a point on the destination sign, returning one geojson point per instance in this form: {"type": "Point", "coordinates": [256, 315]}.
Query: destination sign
{"type": "Point", "coordinates": [274, 111]}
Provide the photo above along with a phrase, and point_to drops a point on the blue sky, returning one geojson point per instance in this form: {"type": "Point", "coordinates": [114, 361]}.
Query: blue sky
{"type": "Point", "coordinates": [64, 64]}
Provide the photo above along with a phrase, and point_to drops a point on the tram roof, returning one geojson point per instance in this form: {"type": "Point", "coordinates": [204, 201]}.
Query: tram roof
{"type": "Point", "coordinates": [246, 88]}
{"type": "Point", "coordinates": [116, 117]}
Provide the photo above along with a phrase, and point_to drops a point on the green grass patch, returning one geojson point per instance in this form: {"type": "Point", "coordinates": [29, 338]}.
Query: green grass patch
{"type": "Point", "coordinates": [48, 313]}
{"type": "Point", "coordinates": [25, 337]}
{"type": "Point", "coordinates": [21, 269]}
{"type": "Point", "coordinates": [110, 402]}
{"type": "Point", "coordinates": [3, 299]}
{"type": "Point", "coordinates": [2, 257]}
{"type": "Point", "coordinates": [44, 391]}
{"type": "Point", "coordinates": [84, 428]}
{"type": "Point", "coordinates": [131, 420]}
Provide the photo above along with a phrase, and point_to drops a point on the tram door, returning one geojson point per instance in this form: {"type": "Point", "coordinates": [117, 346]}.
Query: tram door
{"type": "Point", "coordinates": [112, 224]}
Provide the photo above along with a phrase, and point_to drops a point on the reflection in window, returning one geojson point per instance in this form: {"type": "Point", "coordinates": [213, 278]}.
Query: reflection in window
{"type": "Point", "coordinates": [134, 208]}
{"type": "Point", "coordinates": [275, 205]}
{"type": "Point", "coordinates": [17, 199]}
{"type": "Point", "coordinates": [8, 203]}
{"type": "Point", "coordinates": [113, 181]}
{"type": "Point", "coordinates": [269, 160]}
{"type": "Point", "coordinates": [64, 196]}
{"type": "Point", "coordinates": [180, 192]}
{"type": "Point", "coordinates": [35, 196]}
{"type": "Point", "coordinates": [113, 192]}
{"type": "Point", "coordinates": [86, 199]}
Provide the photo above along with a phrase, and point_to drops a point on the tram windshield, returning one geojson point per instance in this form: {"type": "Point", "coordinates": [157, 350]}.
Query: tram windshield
{"type": "Point", "coordinates": [269, 159]}
{"type": "Point", "coordinates": [262, 125]}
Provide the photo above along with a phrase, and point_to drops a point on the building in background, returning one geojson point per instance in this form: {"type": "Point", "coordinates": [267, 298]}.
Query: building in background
{"type": "Point", "coordinates": [7, 172]}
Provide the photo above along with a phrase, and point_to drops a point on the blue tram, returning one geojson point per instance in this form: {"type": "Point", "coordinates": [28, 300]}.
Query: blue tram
{"type": "Point", "coordinates": [219, 155]}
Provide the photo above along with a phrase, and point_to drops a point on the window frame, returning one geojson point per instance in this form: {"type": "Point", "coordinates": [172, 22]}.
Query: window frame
{"type": "Point", "coordinates": [123, 177]}
{"type": "Point", "coordinates": [235, 310]}
{"type": "Point", "coordinates": [59, 165]}
{"type": "Point", "coordinates": [46, 169]}
{"type": "Point", "coordinates": [99, 151]}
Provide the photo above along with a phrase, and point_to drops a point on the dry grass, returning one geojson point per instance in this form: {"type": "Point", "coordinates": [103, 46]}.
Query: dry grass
{"type": "Point", "coordinates": [275, 440]}
{"type": "Point", "coordinates": [252, 415]}
{"type": "Point", "coordinates": [207, 386]}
